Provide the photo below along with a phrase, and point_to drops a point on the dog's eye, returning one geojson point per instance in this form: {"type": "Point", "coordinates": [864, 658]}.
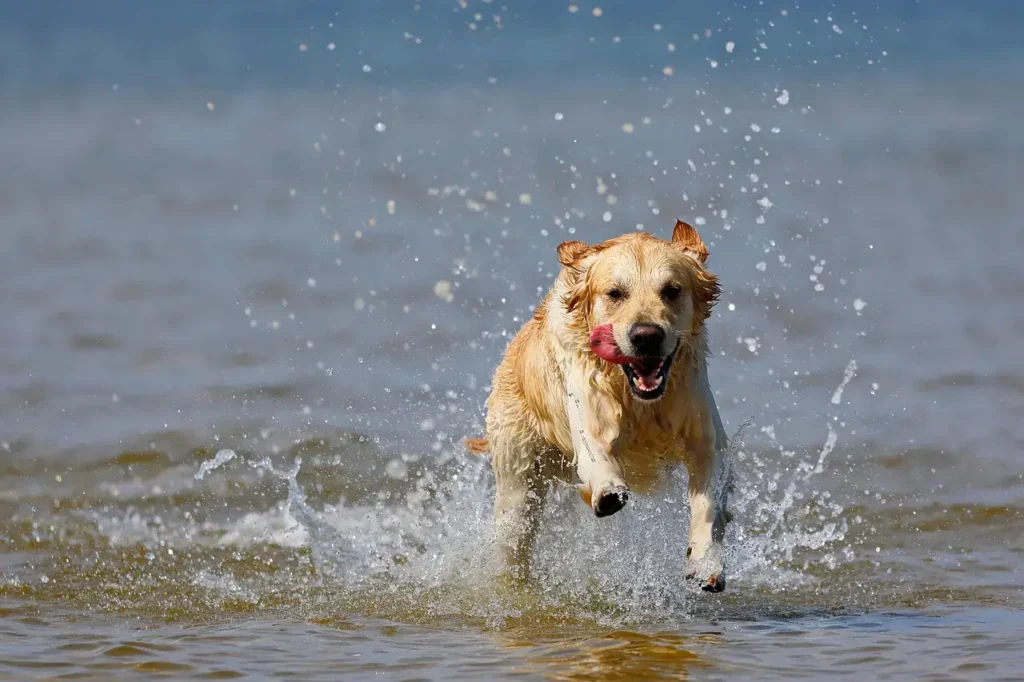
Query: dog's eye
{"type": "Point", "coordinates": [670, 292]}
{"type": "Point", "coordinates": [616, 294]}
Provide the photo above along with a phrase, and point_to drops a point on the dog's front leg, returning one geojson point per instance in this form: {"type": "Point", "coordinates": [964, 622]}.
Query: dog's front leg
{"type": "Point", "coordinates": [594, 432]}
{"type": "Point", "coordinates": [705, 556]}
{"type": "Point", "coordinates": [708, 488]}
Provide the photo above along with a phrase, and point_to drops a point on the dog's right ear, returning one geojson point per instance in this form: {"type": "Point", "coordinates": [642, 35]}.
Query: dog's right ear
{"type": "Point", "coordinates": [569, 255]}
{"type": "Point", "coordinates": [572, 252]}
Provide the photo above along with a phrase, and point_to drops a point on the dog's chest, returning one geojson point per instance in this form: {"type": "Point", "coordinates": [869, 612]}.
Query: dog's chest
{"type": "Point", "coordinates": [648, 450]}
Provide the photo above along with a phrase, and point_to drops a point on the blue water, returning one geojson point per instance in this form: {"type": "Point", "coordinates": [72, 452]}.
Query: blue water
{"type": "Point", "coordinates": [241, 43]}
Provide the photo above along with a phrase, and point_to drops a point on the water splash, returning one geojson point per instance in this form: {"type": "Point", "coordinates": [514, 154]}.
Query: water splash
{"type": "Point", "coordinates": [433, 544]}
{"type": "Point", "coordinates": [220, 459]}
{"type": "Point", "coordinates": [780, 541]}
{"type": "Point", "coordinates": [848, 374]}
{"type": "Point", "coordinates": [807, 470]}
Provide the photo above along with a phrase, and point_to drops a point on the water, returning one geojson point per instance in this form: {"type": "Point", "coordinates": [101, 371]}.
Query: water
{"type": "Point", "coordinates": [252, 296]}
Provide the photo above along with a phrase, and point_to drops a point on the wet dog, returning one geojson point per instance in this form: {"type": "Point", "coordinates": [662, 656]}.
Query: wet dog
{"type": "Point", "coordinates": [608, 383]}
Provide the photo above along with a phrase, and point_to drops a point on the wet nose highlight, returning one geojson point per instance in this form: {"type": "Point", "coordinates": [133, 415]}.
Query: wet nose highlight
{"type": "Point", "coordinates": [647, 339]}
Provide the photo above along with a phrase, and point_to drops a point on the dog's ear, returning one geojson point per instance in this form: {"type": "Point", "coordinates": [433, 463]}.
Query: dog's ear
{"type": "Point", "coordinates": [578, 299]}
{"type": "Point", "coordinates": [706, 291]}
{"type": "Point", "coordinates": [685, 236]}
{"type": "Point", "coordinates": [571, 252]}
{"type": "Point", "coordinates": [706, 288]}
{"type": "Point", "coordinates": [569, 255]}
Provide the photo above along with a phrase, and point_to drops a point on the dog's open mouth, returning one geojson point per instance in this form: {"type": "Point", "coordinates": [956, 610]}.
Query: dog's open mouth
{"type": "Point", "coordinates": [648, 377]}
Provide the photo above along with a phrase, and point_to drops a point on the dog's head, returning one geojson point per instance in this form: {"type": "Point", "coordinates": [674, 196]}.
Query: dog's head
{"type": "Point", "coordinates": [640, 299]}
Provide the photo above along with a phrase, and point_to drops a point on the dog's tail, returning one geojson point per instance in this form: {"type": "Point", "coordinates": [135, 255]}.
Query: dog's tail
{"type": "Point", "coordinates": [478, 446]}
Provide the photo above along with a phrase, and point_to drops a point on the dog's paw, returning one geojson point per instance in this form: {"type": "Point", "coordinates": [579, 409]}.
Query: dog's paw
{"type": "Point", "coordinates": [709, 570]}
{"type": "Point", "coordinates": [611, 500]}
{"type": "Point", "coordinates": [713, 583]}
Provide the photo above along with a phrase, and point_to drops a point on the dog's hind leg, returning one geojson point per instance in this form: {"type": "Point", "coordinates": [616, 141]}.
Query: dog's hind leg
{"type": "Point", "coordinates": [517, 505]}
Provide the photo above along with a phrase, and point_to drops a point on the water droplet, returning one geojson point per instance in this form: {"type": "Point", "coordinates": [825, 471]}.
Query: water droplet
{"type": "Point", "coordinates": [396, 469]}
{"type": "Point", "coordinates": [443, 290]}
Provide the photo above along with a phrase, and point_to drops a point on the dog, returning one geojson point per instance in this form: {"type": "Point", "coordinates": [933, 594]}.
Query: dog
{"type": "Point", "coordinates": [608, 383]}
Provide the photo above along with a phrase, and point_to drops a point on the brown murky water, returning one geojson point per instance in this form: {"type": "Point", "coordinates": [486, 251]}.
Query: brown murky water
{"type": "Point", "coordinates": [277, 279]}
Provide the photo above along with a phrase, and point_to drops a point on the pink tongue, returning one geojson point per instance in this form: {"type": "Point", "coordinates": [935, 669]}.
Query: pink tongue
{"type": "Point", "coordinates": [602, 342]}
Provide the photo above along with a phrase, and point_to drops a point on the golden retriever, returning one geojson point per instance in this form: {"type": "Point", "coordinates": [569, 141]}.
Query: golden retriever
{"type": "Point", "coordinates": [609, 381]}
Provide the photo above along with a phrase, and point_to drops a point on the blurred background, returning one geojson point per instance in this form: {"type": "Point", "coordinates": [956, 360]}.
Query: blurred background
{"type": "Point", "coordinates": [310, 228]}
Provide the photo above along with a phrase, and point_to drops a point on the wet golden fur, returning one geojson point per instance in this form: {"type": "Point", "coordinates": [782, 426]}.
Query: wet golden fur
{"type": "Point", "coordinates": [528, 424]}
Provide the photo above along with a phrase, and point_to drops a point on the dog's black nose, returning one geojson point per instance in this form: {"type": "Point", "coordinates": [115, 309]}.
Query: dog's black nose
{"type": "Point", "coordinates": [647, 339]}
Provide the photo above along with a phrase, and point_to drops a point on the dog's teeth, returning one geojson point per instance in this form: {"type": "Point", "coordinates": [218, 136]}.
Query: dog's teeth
{"type": "Point", "coordinates": [648, 385]}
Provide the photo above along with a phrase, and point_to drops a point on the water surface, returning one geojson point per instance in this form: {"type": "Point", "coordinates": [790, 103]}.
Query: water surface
{"type": "Point", "coordinates": [313, 258]}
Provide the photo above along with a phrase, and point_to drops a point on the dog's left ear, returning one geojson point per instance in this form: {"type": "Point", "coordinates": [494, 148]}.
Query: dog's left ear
{"type": "Point", "coordinates": [571, 252]}
{"type": "Point", "coordinates": [706, 291]}
{"type": "Point", "coordinates": [706, 288]}
{"type": "Point", "coordinates": [686, 236]}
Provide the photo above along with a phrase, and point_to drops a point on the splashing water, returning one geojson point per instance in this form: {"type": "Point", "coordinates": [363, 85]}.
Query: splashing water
{"type": "Point", "coordinates": [219, 460]}
{"type": "Point", "coordinates": [433, 546]}
{"type": "Point", "coordinates": [848, 374]}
